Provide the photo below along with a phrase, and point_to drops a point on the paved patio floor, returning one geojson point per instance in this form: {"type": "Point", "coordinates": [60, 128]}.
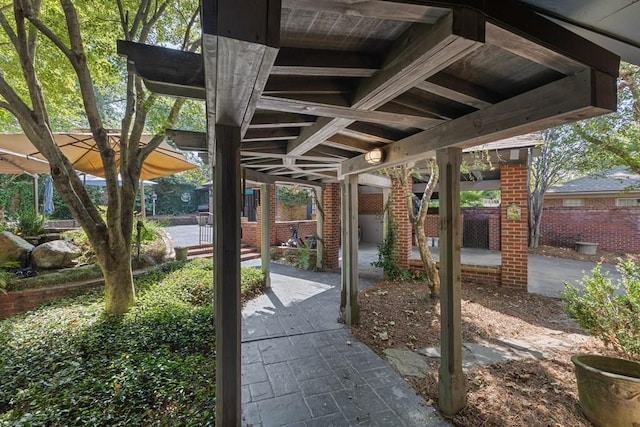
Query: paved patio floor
{"type": "Point", "coordinates": [300, 367]}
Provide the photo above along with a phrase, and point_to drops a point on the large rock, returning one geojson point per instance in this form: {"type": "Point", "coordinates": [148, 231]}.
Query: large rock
{"type": "Point", "coordinates": [14, 248]}
{"type": "Point", "coordinates": [55, 254]}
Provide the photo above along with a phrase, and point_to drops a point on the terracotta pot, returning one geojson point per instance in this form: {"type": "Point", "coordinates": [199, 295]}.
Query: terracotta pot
{"type": "Point", "coordinates": [609, 390]}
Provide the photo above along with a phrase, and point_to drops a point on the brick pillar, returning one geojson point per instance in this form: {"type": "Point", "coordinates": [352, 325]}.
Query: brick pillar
{"type": "Point", "coordinates": [331, 206]}
{"type": "Point", "coordinates": [400, 218]}
{"type": "Point", "coordinates": [513, 236]}
{"type": "Point", "coordinates": [272, 218]}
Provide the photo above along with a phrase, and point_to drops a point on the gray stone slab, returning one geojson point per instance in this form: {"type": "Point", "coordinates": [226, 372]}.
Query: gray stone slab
{"type": "Point", "coordinates": [407, 362]}
{"type": "Point", "coordinates": [381, 377]}
{"type": "Point", "coordinates": [250, 353]}
{"type": "Point", "coordinates": [358, 403]}
{"type": "Point", "coordinates": [282, 350]}
{"type": "Point", "coordinates": [386, 419]}
{"type": "Point", "coordinates": [253, 373]}
{"type": "Point", "coordinates": [490, 354]}
{"type": "Point", "coordinates": [283, 410]}
{"type": "Point", "coordinates": [251, 415]}
{"type": "Point", "coordinates": [245, 394]}
{"type": "Point", "coordinates": [260, 391]}
{"type": "Point", "coordinates": [409, 407]}
{"type": "Point", "coordinates": [320, 385]}
{"type": "Point", "coordinates": [322, 405]}
{"type": "Point", "coordinates": [310, 367]}
{"type": "Point", "coordinates": [281, 379]}
{"type": "Point", "coordinates": [333, 420]}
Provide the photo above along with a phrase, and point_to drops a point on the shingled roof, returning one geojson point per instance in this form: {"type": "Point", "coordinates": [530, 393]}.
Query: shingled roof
{"type": "Point", "coordinates": [614, 180]}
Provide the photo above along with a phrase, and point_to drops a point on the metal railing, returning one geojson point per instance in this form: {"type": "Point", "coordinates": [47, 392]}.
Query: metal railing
{"type": "Point", "coordinates": [205, 226]}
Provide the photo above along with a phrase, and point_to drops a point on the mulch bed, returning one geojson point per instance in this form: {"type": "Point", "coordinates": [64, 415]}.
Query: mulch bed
{"type": "Point", "coordinates": [530, 392]}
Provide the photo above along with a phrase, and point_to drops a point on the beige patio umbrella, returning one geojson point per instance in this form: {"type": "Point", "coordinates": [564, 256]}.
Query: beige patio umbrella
{"type": "Point", "coordinates": [15, 164]}
{"type": "Point", "coordinates": [12, 163]}
{"type": "Point", "coordinates": [81, 149]}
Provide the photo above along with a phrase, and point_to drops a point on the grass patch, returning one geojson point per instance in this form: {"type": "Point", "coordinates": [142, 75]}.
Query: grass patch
{"type": "Point", "coordinates": [69, 364]}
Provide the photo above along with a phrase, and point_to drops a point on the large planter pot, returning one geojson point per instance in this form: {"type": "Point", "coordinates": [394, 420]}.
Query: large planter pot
{"type": "Point", "coordinates": [609, 390]}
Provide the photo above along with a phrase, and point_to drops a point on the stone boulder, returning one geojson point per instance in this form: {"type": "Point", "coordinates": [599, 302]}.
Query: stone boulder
{"type": "Point", "coordinates": [55, 254]}
{"type": "Point", "coordinates": [14, 249]}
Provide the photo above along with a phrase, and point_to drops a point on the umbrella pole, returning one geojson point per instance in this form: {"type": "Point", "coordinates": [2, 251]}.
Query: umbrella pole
{"type": "Point", "coordinates": [143, 208]}
{"type": "Point", "coordinates": [36, 201]}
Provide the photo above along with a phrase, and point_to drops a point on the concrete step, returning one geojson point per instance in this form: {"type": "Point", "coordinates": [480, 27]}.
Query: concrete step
{"type": "Point", "coordinates": [247, 252]}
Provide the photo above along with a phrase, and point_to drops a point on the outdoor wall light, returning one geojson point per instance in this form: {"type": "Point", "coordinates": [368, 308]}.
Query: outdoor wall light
{"type": "Point", "coordinates": [375, 156]}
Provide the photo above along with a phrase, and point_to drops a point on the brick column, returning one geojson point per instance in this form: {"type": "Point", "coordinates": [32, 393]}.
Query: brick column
{"type": "Point", "coordinates": [513, 236]}
{"type": "Point", "coordinates": [331, 206]}
{"type": "Point", "coordinates": [272, 218]}
{"type": "Point", "coordinates": [400, 218]}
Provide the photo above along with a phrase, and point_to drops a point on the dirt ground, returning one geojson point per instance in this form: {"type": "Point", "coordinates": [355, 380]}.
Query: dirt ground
{"type": "Point", "coordinates": [528, 393]}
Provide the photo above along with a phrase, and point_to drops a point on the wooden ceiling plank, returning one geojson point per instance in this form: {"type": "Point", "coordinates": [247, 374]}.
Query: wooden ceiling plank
{"type": "Point", "coordinates": [407, 12]}
{"type": "Point", "coordinates": [262, 154]}
{"type": "Point", "coordinates": [347, 114]}
{"type": "Point", "coordinates": [586, 94]}
{"type": "Point", "coordinates": [423, 50]}
{"type": "Point", "coordinates": [255, 176]}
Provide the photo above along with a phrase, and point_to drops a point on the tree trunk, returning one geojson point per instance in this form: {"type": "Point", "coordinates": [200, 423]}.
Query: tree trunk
{"type": "Point", "coordinates": [427, 260]}
{"type": "Point", "coordinates": [118, 281]}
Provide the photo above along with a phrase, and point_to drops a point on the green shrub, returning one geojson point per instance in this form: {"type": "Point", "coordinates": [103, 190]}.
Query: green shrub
{"type": "Point", "coordinates": [387, 259]}
{"type": "Point", "coordinates": [303, 260]}
{"type": "Point", "coordinates": [69, 364]}
{"type": "Point", "coordinates": [30, 223]}
{"type": "Point", "coordinates": [610, 311]}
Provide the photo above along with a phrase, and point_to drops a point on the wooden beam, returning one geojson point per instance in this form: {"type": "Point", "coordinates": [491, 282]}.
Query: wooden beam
{"type": "Point", "coordinates": [350, 143]}
{"type": "Point", "coordinates": [549, 43]}
{"type": "Point", "coordinates": [265, 247]}
{"type": "Point", "coordinates": [422, 51]}
{"type": "Point", "coordinates": [325, 63]}
{"type": "Point", "coordinates": [459, 90]}
{"type": "Point", "coordinates": [451, 396]}
{"type": "Point", "coordinates": [369, 131]}
{"type": "Point", "coordinates": [319, 228]}
{"type": "Point", "coordinates": [279, 134]}
{"type": "Point", "coordinates": [587, 94]}
{"type": "Point", "coordinates": [348, 114]}
{"type": "Point", "coordinates": [432, 105]}
{"type": "Point", "coordinates": [374, 180]}
{"type": "Point", "coordinates": [318, 85]}
{"type": "Point", "coordinates": [227, 274]}
{"type": "Point", "coordinates": [349, 206]}
{"type": "Point", "coordinates": [253, 175]}
{"type": "Point", "coordinates": [188, 140]}
{"type": "Point", "coordinates": [272, 119]}
{"type": "Point", "coordinates": [408, 12]}
{"type": "Point", "coordinates": [238, 52]}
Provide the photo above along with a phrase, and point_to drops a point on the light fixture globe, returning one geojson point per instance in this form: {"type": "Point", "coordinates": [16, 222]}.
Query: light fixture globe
{"type": "Point", "coordinates": [375, 156]}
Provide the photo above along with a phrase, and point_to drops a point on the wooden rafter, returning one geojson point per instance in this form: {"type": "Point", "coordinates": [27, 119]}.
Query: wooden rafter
{"type": "Point", "coordinates": [420, 53]}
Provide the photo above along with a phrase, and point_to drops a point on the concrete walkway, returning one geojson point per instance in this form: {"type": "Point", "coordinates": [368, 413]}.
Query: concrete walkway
{"type": "Point", "coordinates": [300, 367]}
{"type": "Point", "coordinates": [546, 274]}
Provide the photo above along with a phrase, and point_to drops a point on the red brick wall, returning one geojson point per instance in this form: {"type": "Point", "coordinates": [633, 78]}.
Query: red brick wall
{"type": "Point", "coordinates": [291, 213]}
{"type": "Point", "coordinates": [305, 228]}
{"type": "Point", "coordinates": [13, 303]}
{"type": "Point", "coordinates": [331, 230]}
{"type": "Point", "coordinates": [400, 218]}
{"type": "Point", "coordinates": [514, 232]}
{"type": "Point", "coordinates": [370, 203]}
{"type": "Point", "coordinates": [249, 230]}
{"type": "Point", "coordinates": [480, 274]}
{"type": "Point", "coordinates": [613, 228]}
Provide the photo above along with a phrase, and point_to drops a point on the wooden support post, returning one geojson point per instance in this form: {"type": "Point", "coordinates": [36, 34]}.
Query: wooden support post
{"type": "Point", "coordinates": [227, 274]}
{"type": "Point", "coordinates": [452, 396]}
{"type": "Point", "coordinates": [350, 250]}
{"type": "Point", "coordinates": [386, 194]}
{"type": "Point", "coordinates": [265, 247]}
{"type": "Point", "coordinates": [319, 228]}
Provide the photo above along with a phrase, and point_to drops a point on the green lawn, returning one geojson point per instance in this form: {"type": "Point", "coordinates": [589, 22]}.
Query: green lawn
{"type": "Point", "coordinates": [68, 364]}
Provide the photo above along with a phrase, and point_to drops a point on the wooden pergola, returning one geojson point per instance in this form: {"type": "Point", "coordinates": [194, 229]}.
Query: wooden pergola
{"type": "Point", "coordinates": [304, 90]}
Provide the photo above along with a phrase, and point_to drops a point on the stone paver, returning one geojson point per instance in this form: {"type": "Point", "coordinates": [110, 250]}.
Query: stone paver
{"type": "Point", "coordinates": [300, 367]}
